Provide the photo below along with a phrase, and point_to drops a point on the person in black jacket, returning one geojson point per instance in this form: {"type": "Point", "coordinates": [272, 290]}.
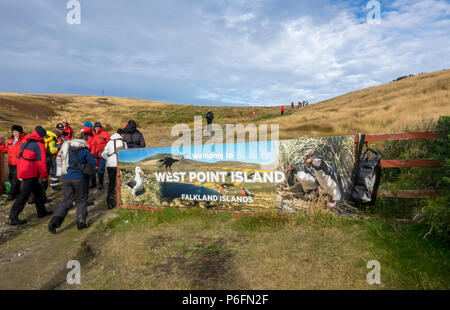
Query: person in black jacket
{"type": "Point", "coordinates": [209, 120]}
{"type": "Point", "coordinates": [209, 117]}
{"type": "Point", "coordinates": [132, 136]}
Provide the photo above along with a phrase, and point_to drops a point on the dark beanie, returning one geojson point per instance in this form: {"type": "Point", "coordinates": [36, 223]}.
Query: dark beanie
{"type": "Point", "coordinates": [98, 124]}
{"type": "Point", "coordinates": [17, 128]}
{"type": "Point", "coordinates": [40, 131]}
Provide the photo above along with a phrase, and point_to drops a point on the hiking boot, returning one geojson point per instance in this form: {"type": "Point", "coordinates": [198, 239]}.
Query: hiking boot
{"type": "Point", "coordinates": [47, 213]}
{"type": "Point", "coordinates": [16, 222]}
{"type": "Point", "coordinates": [90, 203]}
{"type": "Point", "coordinates": [81, 225]}
{"type": "Point", "coordinates": [48, 200]}
{"type": "Point", "coordinates": [52, 227]}
{"type": "Point", "coordinates": [10, 198]}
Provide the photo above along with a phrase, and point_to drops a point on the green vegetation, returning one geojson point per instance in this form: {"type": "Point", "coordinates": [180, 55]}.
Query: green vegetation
{"type": "Point", "coordinates": [196, 249]}
{"type": "Point", "coordinates": [435, 212]}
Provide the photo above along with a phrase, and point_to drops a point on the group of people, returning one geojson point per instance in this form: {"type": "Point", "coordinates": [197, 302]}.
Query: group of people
{"type": "Point", "coordinates": [41, 158]}
{"type": "Point", "coordinates": [300, 104]}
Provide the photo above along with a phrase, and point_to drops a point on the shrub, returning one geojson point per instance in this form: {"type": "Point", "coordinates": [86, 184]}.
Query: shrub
{"type": "Point", "coordinates": [437, 211]}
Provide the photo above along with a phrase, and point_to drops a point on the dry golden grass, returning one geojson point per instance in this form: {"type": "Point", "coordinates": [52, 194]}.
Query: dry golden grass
{"type": "Point", "coordinates": [385, 108]}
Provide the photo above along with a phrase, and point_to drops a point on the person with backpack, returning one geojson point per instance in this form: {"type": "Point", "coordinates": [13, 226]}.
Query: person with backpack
{"type": "Point", "coordinates": [52, 147]}
{"type": "Point", "coordinates": [76, 160]}
{"type": "Point", "coordinates": [12, 147]}
{"type": "Point", "coordinates": [132, 136]}
{"type": "Point", "coordinates": [101, 138]}
{"type": "Point", "coordinates": [110, 155]}
{"type": "Point", "coordinates": [31, 165]}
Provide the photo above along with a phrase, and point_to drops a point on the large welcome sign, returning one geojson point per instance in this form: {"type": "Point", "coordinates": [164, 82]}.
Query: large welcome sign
{"type": "Point", "coordinates": [245, 176]}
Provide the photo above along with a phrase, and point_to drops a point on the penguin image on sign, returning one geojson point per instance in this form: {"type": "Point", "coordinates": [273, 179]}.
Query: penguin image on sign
{"type": "Point", "coordinates": [306, 178]}
{"type": "Point", "coordinates": [328, 178]}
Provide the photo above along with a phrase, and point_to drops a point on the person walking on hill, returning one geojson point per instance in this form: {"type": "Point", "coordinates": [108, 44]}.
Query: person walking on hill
{"type": "Point", "coordinates": [292, 105]}
{"type": "Point", "coordinates": [209, 120]}
{"type": "Point", "coordinates": [68, 131]}
{"type": "Point", "coordinates": [132, 136]}
{"type": "Point", "coordinates": [101, 138]}
{"type": "Point", "coordinates": [31, 164]}
{"type": "Point", "coordinates": [109, 154]}
{"type": "Point", "coordinates": [12, 147]}
{"type": "Point", "coordinates": [282, 110]}
{"type": "Point", "coordinates": [52, 147]}
{"type": "Point", "coordinates": [74, 154]}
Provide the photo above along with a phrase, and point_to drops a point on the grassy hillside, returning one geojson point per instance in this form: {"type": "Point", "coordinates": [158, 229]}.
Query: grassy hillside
{"type": "Point", "coordinates": [383, 108]}
{"type": "Point", "coordinates": [196, 249]}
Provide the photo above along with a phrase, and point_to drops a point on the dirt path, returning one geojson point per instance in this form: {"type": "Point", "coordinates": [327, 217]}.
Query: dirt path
{"type": "Point", "coordinates": [33, 258]}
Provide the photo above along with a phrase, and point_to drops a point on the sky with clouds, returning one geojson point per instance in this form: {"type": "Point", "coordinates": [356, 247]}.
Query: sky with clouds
{"type": "Point", "coordinates": [217, 52]}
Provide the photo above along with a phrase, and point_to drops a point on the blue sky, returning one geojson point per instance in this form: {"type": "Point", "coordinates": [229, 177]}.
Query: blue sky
{"type": "Point", "coordinates": [216, 52]}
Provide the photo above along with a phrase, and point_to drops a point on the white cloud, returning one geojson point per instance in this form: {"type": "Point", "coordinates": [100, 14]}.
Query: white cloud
{"type": "Point", "coordinates": [260, 52]}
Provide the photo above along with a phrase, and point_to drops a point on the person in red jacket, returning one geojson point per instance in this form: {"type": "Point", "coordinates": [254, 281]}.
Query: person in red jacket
{"type": "Point", "coordinates": [101, 138]}
{"type": "Point", "coordinates": [282, 109]}
{"type": "Point", "coordinates": [31, 165]}
{"type": "Point", "coordinates": [12, 147]}
{"type": "Point", "coordinates": [68, 131]}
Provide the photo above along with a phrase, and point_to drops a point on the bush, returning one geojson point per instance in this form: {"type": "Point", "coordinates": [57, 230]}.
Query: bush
{"type": "Point", "coordinates": [437, 211]}
{"type": "Point", "coordinates": [437, 216]}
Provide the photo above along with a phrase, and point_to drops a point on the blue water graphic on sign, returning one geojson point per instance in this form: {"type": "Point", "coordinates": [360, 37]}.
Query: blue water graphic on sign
{"type": "Point", "coordinates": [260, 152]}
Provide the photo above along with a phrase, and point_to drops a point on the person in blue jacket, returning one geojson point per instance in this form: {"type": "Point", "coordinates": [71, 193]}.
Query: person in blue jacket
{"type": "Point", "coordinates": [75, 185]}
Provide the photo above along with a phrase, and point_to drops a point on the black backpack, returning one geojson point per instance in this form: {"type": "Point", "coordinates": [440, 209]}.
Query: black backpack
{"type": "Point", "coordinates": [87, 168]}
{"type": "Point", "coordinates": [366, 176]}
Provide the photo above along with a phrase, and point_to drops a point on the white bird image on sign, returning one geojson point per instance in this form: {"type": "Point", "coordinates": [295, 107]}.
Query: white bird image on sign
{"type": "Point", "coordinates": [135, 186]}
{"type": "Point", "coordinates": [328, 178]}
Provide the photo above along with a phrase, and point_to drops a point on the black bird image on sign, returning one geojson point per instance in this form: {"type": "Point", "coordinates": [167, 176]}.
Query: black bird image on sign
{"type": "Point", "coordinates": [168, 162]}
